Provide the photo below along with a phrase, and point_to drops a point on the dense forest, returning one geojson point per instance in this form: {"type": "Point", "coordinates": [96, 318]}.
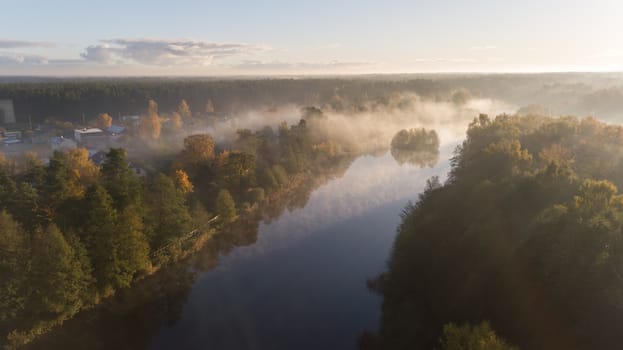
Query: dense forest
{"type": "Point", "coordinates": [70, 99]}
{"type": "Point", "coordinates": [72, 233]}
{"type": "Point", "coordinates": [525, 236]}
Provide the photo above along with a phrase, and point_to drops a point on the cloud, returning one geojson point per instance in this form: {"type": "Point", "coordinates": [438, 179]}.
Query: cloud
{"type": "Point", "coordinates": [14, 58]}
{"type": "Point", "coordinates": [164, 52]}
{"type": "Point", "coordinates": [15, 44]}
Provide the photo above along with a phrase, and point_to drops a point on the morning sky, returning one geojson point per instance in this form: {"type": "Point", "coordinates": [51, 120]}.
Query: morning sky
{"type": "Point", "coordinates": [235, 37]}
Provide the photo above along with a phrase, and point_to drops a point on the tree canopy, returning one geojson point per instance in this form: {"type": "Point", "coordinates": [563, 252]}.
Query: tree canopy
{"type": "Point", "coordinates": [526, 233]}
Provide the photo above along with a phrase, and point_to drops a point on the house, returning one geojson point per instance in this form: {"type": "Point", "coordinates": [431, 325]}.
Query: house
{"type": "Point", "coordinates": [62, 144]}
{"type": "Point", "coordinates": [7, 113]}
{"type": "Point", "coordinates": [11, 137]}
{"type": "Point", "coordinates": [97, 157]}
{"type": "Point", "coordinates": [84, 133]}
{"type": "Point", "coordinates": [115, 130]}
{"type": "Point", "coordinates": [91, 137]}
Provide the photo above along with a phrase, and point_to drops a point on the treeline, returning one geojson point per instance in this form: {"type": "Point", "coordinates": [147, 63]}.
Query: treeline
{"type": "Point", "coordinates": [526, 233]}
{"type": "Point", "coordinates": [157, 300]}
{"type": "Point", "coordinates": [68, 100]}
{"type": "Point", "coordinates": [72, 233]}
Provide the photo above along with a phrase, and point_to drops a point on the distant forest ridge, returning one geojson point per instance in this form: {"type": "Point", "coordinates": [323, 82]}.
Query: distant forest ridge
{"type": "Point", "coordinates": [67, 99]}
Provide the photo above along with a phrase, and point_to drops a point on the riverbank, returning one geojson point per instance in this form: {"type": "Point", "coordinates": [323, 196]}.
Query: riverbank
{"type": "Point", "coordinates": [223, 237]}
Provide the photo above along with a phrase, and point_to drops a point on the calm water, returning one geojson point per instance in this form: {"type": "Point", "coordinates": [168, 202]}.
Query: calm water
{"type": "Point", "coordinates": [301, 285]}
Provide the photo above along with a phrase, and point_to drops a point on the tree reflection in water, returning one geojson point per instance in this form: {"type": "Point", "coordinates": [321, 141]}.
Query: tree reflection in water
{"type": "Point", "coordinates": [130, 319]}
{"type": "Point", "coordinates": [418, 147]}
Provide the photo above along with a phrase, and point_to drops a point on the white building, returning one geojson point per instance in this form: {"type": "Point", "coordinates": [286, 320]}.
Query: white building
{"type": "Point", "coordinates": [82, 134]}
{"type": "Point", "coordinates": [7, 113]}
{"type": "Point", "coordinates": [91, 138]}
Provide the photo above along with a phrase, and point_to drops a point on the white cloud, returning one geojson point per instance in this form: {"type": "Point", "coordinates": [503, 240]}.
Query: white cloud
{"type": "Point", "coordinates": [165, 52]}
{"type": "Point", "coordinates": [14, 58]}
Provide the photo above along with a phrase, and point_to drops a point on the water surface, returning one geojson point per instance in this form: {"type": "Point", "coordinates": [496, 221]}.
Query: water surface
{"type": "Point", "coordinates": [300, 285]}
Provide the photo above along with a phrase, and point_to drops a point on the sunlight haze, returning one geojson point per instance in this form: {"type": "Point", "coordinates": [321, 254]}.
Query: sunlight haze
{"type": "Point", "coordinates": [304, 37]}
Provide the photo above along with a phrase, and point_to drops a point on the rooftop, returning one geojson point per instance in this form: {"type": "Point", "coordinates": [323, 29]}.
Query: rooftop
{"type": "Point", "coordinates": [88, 130]}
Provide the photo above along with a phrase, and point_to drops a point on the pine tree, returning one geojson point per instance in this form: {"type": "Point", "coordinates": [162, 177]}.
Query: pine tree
{"type": "Point", "coordinates": [132, 247]}
{"type": "Point", "coordinates": [119, 180]}
{"type": "Point", "coordinates": [57, 276]}
{"type": "Point", "coordinates": [14, 268]}
{"type": "Point", "coordinates": [166, 211]}
{"type": "Point", "coordinates": [225, 206]}
{"type": "Point", "coordinates": [98, 235]}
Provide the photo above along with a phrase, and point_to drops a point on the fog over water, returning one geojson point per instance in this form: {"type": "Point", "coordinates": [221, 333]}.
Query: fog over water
{"type": "Point", "coordinates": [302, 284]}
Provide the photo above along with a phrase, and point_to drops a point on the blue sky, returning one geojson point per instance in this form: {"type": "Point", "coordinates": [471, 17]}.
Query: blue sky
{"type": "Point", "coordinates": [188, 37]}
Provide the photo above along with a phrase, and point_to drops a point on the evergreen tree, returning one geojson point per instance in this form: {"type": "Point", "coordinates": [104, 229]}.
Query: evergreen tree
{"type": "Point", "coordinates": [166, 213]}
{"type": "Point", "coordinates": [98, 235]}
{"type": "Point", "coordinates": [225, 206]}
{"type": "Point", "coordinates": [58, 277]}
{"type": "Point", "coordinates": [56, 185]}
{"type": "Point", "coordinates": [25, 206]}
{"type": "Point", "coordinates": [132, 247]}
{"type": "Point", "coordinates": [14, 269]}
{"type": "Point", "coordinates": [119, 180]}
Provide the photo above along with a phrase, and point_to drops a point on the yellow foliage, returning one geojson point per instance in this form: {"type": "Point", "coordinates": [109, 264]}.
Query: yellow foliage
{"type": "Point", "coordinates": [176, 120]}
{"type": "Point", "coordinates": [103, 121]}
{"type": "Point", "coordinates": [183, 182]}
{"type": "Point", "coordinates": [198, 149]}
{"type": "Point", "coordinates": [555, 154]}
{"type": "Point", "coordinates": [150, 125]}
{"type": "Point", "coordinates": [184, 110]}
{"type": "Point", "coordinates": [82, 171]}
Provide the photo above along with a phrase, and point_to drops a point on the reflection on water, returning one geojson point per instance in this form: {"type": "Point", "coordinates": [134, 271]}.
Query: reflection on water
{"type": "Point", "coordinates": [416, 146]}
{"type": "Point", "coordinates": [295, 281]}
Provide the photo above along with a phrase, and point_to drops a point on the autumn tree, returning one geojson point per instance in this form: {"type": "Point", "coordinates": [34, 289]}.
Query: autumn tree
{"type": "Point", "coordinates": [176, 121]}
{"type": "Point", "coordinates": [184, 110]}
{"type": "Point", "coordinates": [198, 150]}
{"type": "Point", "coordinates": [150, 125]}
{"type": "Point", "coordinates": [236, 171]}
{"type": "Point", "coordinates": [103, 121]}
{"type": "Point", "coordinates": [182, 182]}
{"type": "Point", "coordinates": [81, 171]}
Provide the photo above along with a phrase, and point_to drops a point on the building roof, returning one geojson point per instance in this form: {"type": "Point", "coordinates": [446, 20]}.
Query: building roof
{"type": "Point", "coordinates": [98, 157]}
{"type": "Point", "coordinates": [116, 129]}
{"type": "Point", "coordinates": [88, 130]}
